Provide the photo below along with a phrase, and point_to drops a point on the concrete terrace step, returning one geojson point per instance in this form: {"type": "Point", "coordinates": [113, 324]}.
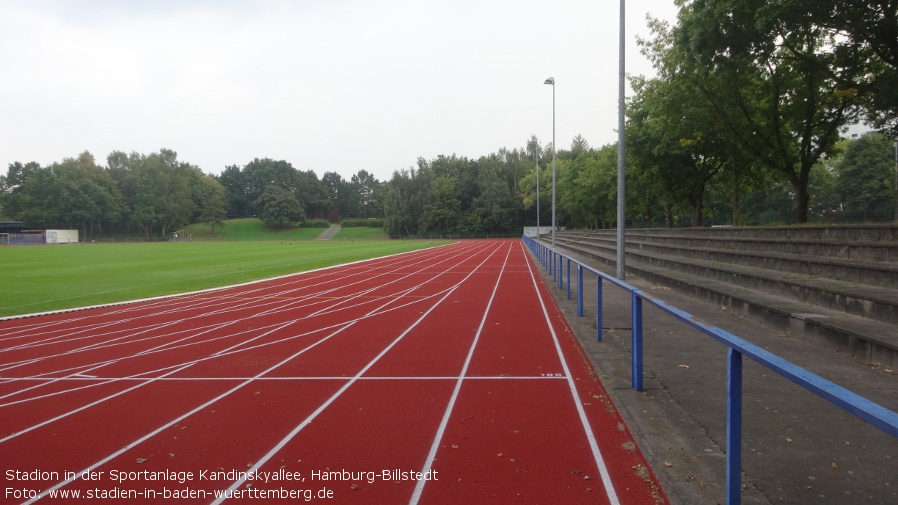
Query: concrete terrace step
{"type": "Point", "coordinates": [862, 320]}
{"type": "Point", "coordinates": [867, 244]}
{"type": "Point", "coordinates": [864, 300]}
{"type": "Point", "coordinates": [806, 260]}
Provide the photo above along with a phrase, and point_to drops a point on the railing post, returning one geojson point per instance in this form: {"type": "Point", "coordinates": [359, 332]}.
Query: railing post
{"type": "Point", "coordinates": [579, 290]}
{"type": "Point", "coordinates": [568, 278]}
{"type": "Point", "coordinates": [636, 323]}
{"type": "Point", "coordinates": [734, 428]}
{"type": "Point", "coordinates": [560, 271]}
{"type": "Point", "coordinates": [598, 308]}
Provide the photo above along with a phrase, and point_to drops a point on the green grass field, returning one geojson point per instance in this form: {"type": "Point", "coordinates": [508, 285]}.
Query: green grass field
{"type": "Point", "coordinates": [43, 278]}
{"type": "Point", "coordinates": [361, 234]}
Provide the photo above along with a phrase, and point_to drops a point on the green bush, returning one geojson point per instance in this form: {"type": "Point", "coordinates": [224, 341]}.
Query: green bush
{"type": "Point", "coordinates": [371, 222]}
{"type": "Point", "coordinates": [315, 223]}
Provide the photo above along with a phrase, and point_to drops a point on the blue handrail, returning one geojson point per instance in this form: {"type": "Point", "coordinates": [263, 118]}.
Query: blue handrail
{"type": "Point", "coordinates": [861, 407]}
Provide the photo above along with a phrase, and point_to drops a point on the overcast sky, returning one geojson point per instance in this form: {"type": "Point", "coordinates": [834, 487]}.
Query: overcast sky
{"type": "Point", "coordinates": [328, 85]}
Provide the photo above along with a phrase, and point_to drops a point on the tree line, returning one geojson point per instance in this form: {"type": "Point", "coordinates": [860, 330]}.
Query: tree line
{"type": "Point", "coordinates": [458, 195]}
{"type": "Point", "coordinates": [448, 195]}
{"type": "Point", "coordinates": [133, 193]}
{"type": "Point", "coordinates": [155, 194]}
{"type": "Point", "coordinates": [331, 198]}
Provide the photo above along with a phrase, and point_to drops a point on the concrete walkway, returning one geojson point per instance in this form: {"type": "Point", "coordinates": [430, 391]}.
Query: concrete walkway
{"type": "Point", "coordinates": [329, 233]}
{"type": "Point", "coordinates": [797, 448]}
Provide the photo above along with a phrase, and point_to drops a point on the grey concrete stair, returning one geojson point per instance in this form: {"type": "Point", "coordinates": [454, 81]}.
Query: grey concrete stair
{"type": "Point", "coordinates": [329, 233]}
{"type": "Point", "coordinates": [823, 284]}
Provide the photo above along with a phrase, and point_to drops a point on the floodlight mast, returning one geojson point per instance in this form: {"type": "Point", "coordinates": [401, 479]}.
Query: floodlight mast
{"type": "Point", "coordinates": [536, 152]}
{"type": "Point", "coordinates": [621, 124]}
{"type": "Point", "coordinates": [551, 81]}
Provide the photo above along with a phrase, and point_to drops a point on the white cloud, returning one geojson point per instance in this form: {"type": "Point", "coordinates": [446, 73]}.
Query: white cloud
{"type": "Point", "coordinates": [326, 85]}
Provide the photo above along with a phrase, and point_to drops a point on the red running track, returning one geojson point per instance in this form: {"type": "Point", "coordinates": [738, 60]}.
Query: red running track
{"type": "Point", "coordinates": [441, 376]}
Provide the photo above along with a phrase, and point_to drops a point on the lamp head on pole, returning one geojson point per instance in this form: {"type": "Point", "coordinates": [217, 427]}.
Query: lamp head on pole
{"type": "Point", "coordinates": [550, 80]}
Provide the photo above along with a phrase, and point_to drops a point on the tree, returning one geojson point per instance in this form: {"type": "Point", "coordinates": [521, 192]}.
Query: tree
{"type": "Point", "coordinates": [279, 208]}
{"type": "Point", "coordinates": [215, 209]}
{"type": "Point", "coordinates": [496, 205]}
{"type": "Point", "coordinates": [312, 195]}
{"type": "Point", "coordinates": [146, 211]}
{"type": "Point", "coordinates": [125, 170]}
{"type": "Point", "coordinates": [781, 107]}
{"type": "Point", "coordinates": [861, 52]}
{"type": "Point", "coordinates": [441, 212]}
{"type": "Point", "coordinates": [339, 197]}
{"type": "Point", "coordinates": [396, 214]}
{"type": "Point", "coordinates": [406, 198]}
{"type": "Point", "coordinates": [236, 192]}
{"type": "Point", "coordinates": [369, 193]}
{"type": "Point", "coordinates": [86, 195]}
{"type": "Point", "coordinates": [590, 196]}
{"type": "Point", "coordinates": [578, 146]}
{"type": "Point", "coordinates": [74, 193]}
{"type": "Point", "coordinates": [866, 178]}
{"type": "Point", "coordinates": [16, 197]}
{"type": "Point", "coordinates": [259, 174]}
{"type": "Point", "coordinates": [173, 188]}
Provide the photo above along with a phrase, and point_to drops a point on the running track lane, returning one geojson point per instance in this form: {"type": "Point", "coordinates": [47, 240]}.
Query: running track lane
{"type": "Point", "coordinates": [454, 362]}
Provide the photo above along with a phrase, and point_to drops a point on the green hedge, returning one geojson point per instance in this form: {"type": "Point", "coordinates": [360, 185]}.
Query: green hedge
{"type": "Point", "coordinates": [371, 222]}
{"type": "Point", "coordinates": [315, 223]}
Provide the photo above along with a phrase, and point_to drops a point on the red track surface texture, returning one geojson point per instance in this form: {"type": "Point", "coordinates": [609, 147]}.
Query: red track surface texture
{"type": "Point", "coordinates": [440, 376]}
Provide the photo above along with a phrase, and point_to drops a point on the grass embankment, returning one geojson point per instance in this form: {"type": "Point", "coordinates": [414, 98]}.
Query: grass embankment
{"type": "Point", "coordinates": [361, 233]}
{"type": "Point", "coordinates": [254, 229]}
{"type": "Point", "coordinates": [43, 278]}
{"type": "Point", "coordinates": [251, 228]}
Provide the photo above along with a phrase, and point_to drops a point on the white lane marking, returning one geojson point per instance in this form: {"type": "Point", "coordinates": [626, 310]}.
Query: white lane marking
{"type": "Point", "coordinates": [180, 305]}
{"type": "Point", "coordinates": [280, 445]}
{"type": "Point", "coordinates": [227, 393]}
{"type": "Point", "coordinates": [209, 290]}
{"type": "Point", "coordinates": [587, 429]}
{"type": "Point", "coordinates": [431, 455]}
{"type": "Point", "coordinates": [231, 350]}
{"type": "Point", "coordinates": [104, 380]}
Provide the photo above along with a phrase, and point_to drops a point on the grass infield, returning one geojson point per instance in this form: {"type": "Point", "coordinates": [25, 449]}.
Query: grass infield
{"type": "Point", "coordinates": [53, 277]}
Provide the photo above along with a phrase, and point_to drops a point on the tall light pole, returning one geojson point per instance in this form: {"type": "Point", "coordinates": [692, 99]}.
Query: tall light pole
{"type": "Point", "coordinates": [536, 152]}
{"type": "Point", "coordinates": [621, 186]}
{"type": "Point", "coordinates": [551, 81]}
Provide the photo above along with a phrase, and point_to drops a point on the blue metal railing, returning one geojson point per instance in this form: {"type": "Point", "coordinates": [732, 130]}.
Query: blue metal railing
{"type": "Point", "coordinates": [861, 407]}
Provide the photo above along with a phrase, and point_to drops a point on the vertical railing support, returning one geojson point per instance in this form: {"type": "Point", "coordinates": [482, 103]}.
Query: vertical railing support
{"type": "Point", "coordinates": [560, 267]}
{"type": "Point", "coordinates": [568, 278]}
{"type": "Point", "coordinates": [734, 428]}
{"type": "Point", "coordinates": [598, 308]}
{"type": "Point", "coordinates": [636, 324]}
{"type": "Point", "coordinates": [579, 290]}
